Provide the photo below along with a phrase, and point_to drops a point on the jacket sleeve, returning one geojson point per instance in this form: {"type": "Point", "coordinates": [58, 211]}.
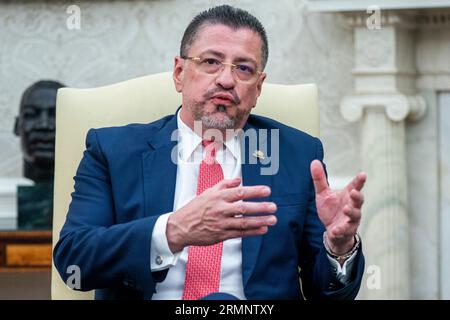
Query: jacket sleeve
{"type": "Point", "coordinates": [107, 254]}
{"type": "Point", "coordinates": [317, 275]}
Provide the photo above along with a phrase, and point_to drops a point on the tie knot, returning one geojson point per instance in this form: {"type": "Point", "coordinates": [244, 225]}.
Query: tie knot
{"type": "Point", "coordinates": [206, 143]}
{"type": "Point", "coordinates": [211, 148]}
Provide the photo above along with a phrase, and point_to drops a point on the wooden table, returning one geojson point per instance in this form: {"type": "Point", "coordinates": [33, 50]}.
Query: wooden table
{"type": "Point", "coordinates": [25, 251]}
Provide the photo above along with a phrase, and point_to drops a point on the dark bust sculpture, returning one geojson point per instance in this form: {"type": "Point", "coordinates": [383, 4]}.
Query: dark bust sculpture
{"type": "Point", "coordinates": [36, 127]}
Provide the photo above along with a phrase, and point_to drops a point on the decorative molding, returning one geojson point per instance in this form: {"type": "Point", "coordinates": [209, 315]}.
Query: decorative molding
{"type": "Point", "coordinates": [373, 50]}
{"type": "Point", "coordinates": [433, 19]}
{"type": "Point", "coordinates": [407, 19]}
{"type": "Point", "coordinates": [382, 72]}
{"type": "Point", "coordinates": [397, 107]}
{"type": "Point", "coordinates": [362, 5]}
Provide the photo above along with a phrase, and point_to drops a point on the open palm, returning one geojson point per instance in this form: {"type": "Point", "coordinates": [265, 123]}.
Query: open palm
{"type": "Point", "coordinates": [339, 211]}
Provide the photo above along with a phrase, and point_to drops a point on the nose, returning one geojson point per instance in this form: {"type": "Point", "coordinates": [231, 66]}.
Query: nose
{"type": "Point", "coordinates": [45, 121]}
{"type": "Point", "coordinates": [225, 78]}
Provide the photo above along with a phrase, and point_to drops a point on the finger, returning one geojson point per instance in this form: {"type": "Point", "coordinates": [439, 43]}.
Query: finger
{"type": "Point", "coordinates": [356, 199]}
{"type": "Point", "coordinates": [247, 192]}
{"type": "Point", "coordinates": [357, 182]}
{"type": "Point", "coordinates": [249, 223]}
{"type": "Point", "coordinates": [245, 233]}
{"type": "Point", "coordinates": [318, 176]}
{"type": "Point", "coordinates": [229, 183]}
{"type": "Point", "coordinates": [353, 214]}
{"type": "Point", "coordinates": [247, 207]}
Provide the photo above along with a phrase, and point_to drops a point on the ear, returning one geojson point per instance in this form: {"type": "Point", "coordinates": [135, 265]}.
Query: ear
{"type": "Point", "coordinates": [178, 73]}
{"type": "Point", "coordinates": [16, 127]}
{"type": "Point", "coordinates": [261, 79]}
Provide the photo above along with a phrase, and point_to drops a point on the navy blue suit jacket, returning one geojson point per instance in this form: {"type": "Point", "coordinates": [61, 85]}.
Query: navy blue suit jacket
{"type": "Point", "coordinates": [126, 180]}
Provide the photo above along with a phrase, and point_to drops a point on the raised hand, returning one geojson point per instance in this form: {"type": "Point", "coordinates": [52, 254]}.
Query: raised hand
{"type": "Point", "coordinates": [339, 211]}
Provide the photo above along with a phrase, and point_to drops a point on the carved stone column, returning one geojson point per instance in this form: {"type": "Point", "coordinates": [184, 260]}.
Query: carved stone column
{"type": "Point", "coordinates": [384, 98]}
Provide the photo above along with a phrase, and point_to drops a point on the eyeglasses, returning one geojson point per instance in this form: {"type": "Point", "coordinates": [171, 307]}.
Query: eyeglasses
{"type": "Point", "coordinates": [245, 72]}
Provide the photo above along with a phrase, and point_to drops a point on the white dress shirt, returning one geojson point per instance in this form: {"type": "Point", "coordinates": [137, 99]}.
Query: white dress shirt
{"type": "Point", "coordinates": [190, 154]}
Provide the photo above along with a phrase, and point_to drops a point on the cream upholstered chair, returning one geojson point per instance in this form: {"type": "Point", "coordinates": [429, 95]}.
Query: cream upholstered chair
{"type": "Point", "coordinates": [143, 100]}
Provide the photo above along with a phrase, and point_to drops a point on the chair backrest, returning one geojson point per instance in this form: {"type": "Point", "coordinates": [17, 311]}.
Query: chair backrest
{"type": "Point", "coordinates": [143, 100]}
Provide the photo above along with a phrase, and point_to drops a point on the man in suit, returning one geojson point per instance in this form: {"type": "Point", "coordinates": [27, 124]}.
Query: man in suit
{"type": "Point", "coordinates": [186, 206]}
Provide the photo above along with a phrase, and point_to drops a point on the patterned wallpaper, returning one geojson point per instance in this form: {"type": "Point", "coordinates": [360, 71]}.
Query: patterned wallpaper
{"type": "Point", "coordinates": [119, 40]}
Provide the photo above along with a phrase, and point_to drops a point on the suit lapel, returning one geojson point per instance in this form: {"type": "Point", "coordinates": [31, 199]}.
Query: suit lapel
{"type": "Point", "coordinates": [160, 171]}
{"type": "Point", "coordinates": [251, 175]}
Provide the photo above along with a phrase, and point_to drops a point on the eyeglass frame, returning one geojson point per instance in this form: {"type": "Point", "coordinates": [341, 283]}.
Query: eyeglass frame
{"type": "Point", "coordinates": [223, 64]}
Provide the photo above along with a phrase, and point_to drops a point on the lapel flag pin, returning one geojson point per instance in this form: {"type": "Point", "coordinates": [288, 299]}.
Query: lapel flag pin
{"type": "Point", "coordinates": [258, 154]}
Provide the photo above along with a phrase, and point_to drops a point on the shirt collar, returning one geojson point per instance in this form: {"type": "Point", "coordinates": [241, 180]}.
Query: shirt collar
{"type": "Point", "coordinates": [189, 141]}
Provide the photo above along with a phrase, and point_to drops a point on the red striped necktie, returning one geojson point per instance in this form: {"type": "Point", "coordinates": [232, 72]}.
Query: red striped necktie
{"type": "Point", "coordinates": [204, 262]}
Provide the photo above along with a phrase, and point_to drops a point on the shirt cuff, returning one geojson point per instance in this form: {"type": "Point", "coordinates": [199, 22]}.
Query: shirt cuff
{"type": "Point", "coordinates": [343, 272]}
{"type": "Point", "coordinates": [160, 255]}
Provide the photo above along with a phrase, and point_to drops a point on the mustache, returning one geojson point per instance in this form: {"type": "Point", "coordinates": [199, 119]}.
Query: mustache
{"type": "Point", "coordinates": [210, 93]}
